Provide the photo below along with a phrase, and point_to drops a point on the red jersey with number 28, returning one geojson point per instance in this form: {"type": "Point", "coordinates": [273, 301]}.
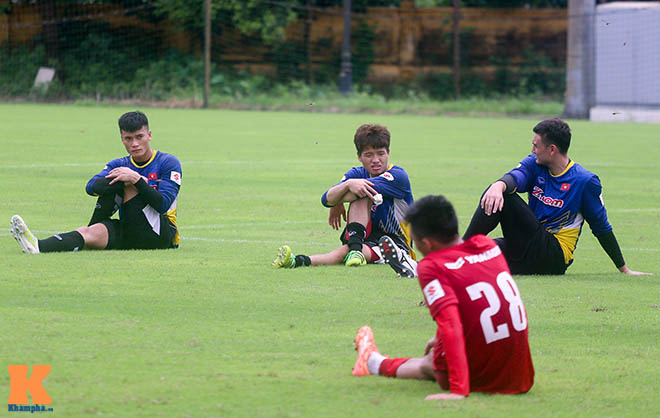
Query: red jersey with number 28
{"type": "Point", "coordinates": [475, 277]}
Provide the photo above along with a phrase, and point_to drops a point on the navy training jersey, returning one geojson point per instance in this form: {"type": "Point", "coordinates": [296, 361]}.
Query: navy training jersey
{"type": "Point", "coordinates": [394, 185]}
{"type": "Point", "coordinates": [163, 173]}
{"type": "Point", "coordinates": [562, 203]}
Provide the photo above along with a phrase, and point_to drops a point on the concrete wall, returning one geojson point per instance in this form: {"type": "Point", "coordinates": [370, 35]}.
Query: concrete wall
{"type": "Point", "coordinates": [628, 62]}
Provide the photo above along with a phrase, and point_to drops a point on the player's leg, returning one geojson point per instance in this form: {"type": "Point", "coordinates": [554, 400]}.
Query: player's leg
{"type": "Point", "coordinates": [107, 204]}
{"type": "Point", "coordinates": [142, 227]}
{"type": "Point", "coordinates": [357, 229]}
{"type": "Point", "coordinates": [67, 241]}
{"type": "Point", "coordinates": [527, 246]}
{"type": "Point", "coordinates": [371, 361]}
{"type": "Point", "coordinates": [287, 259]}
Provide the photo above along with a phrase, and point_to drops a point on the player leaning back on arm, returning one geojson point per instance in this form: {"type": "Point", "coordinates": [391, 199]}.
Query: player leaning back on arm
{"type": "Point", "coordinates": [540, 237]}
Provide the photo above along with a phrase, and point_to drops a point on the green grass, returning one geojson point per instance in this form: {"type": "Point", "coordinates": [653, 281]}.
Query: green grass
{"type": "Point", "coordinates": [211, 329]}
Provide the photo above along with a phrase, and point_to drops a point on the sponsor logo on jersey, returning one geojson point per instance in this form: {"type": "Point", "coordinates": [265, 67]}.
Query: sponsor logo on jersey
{"type": "Point", "coordinates": [152, 176]}
{"type": "Point", "coordinates": [540, 180]}
{"type": "Point", "coordinates": [387, 176]}
{"type": "Point", "coordinates": [456, 264]}
{"type": "Point", "coordinates": [546, 200]}
{"type": "Point", "coordinates": [565, 186]}
{"type": "Point", "coordinates": [176, 177]}
{"type": "Point", "coordinates": [485, 256]}
{"type": "Point", "coordinates": [433, 291]}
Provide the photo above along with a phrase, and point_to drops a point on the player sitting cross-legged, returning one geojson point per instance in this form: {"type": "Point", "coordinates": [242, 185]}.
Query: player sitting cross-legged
{"type": "Point", "coordinates": [481, 340]}
{"type": "Point", "coordinates": [378, 193]}
{"type": "Point", "coordinates": [143, 185]}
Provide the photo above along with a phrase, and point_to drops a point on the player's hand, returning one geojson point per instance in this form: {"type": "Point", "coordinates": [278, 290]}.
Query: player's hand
{"type": "Point", "coordinates": [626, 270]}
{"type": "Point", "coordinates": [336, 213]}
{"type": "Point", "coordinates": [430, 344]}
{"type": "Point", "coordinates": [444, 396]}
{"type": "Point", "coordinates": [124, 174]}
{"type": "Point", "coordinates": [493, 199]}
{"type": "Point", "coordinates": [361, 188]}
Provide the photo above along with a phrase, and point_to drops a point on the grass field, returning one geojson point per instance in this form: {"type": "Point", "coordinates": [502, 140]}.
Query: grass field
{"type": "Point", "coordinates": [211, 329]}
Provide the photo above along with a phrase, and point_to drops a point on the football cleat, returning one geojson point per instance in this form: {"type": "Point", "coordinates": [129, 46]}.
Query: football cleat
{"type": "Point", "coordinates": [285, 258]}
{"type": "Point", "coordinates": [28, 242]}
{"type": "Point", "coordinates": [364, 345]}
{"type": "Point", "coordinates": [354, 259]}
{"type": "Point", "coordinates": [400, 261]}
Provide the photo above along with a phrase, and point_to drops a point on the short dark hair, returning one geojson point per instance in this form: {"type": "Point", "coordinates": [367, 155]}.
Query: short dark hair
{"type": "Point", "coordinates": [433, 217]}
{"type": "Point", "coordinates": [375, 136]}
{"type": "Point", "coordinates": [133, 121]}
{"type": "Point", "coordinates": [554, 131]}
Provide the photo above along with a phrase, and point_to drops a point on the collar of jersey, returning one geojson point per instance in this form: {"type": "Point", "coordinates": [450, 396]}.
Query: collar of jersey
{"type": "Point", "coordinates": [568, 167]}
{"type": "Point", "coordinates": [388, 169]}
{"type": "Point", "coordinates": [147, 163]}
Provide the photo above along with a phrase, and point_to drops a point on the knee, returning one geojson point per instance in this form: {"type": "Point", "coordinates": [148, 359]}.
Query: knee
{"type": "Point", "coordinates": [359, 204]}
{"type": "Point", "coordinates": [85, 231]}
{"type": "Point", "coordinates": [427, 365]}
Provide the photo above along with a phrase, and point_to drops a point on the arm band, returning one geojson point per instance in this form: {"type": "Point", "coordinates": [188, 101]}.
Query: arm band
{"type": "Point", "coordinates": [611, 247]}
{"type": "Point", "coordinates": [510, 183]}
{"type": "Point", "coordinates": [149, 194]}
{"type": "Point", "coordinates": [102, 186]}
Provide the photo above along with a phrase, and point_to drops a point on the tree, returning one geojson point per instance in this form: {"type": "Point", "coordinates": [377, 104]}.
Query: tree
{"type": "Point", "coordinates": [266, 18]}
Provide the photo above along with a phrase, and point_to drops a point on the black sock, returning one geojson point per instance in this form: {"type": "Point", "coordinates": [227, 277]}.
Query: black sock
{"type": "Point", "coordinates": [105, 207]}
{"type": "Point", "coordinates": [69, 241]}
{"type": "Point", "coordinates": [356, 234]}
{"type": "Point", "coordinates": [303, 260]}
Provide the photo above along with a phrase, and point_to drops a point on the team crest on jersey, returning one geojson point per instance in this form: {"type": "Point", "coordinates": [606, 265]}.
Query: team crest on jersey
{"type": "Point", "coordinates": [175, 176]}
{"type": "Point", "coordinates": [153, 176]}
{"type": "Point", "coordinates": [388, 176]}
{"type": "Point", "coordinates": [565, 186]}
{"type": "Point", "coordinates": [546, 200]}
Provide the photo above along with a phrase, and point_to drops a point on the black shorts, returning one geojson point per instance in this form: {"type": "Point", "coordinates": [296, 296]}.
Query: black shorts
{"type": "Point", "coordinates": [140, 228]}
{"type": "Point", "coordinates": [373, 238]}
{"type": "Point", "coordinates": [526, 245]}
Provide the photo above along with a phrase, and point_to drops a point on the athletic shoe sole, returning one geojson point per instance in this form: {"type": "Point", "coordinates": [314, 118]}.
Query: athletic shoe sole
{"type": "Point", "coordinates": [21, 232]}
{"type": "Point", "coordinates": [364, 345]}
{"type": "Point", "coordinates": [396, 258]}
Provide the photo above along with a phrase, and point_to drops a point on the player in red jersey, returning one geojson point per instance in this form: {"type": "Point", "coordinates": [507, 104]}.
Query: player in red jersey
{"type": "Point", "coordinates": [481, 340]}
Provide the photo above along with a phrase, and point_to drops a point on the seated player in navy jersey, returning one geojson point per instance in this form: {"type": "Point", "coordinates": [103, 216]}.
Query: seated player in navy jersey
{"type": "Point", "coordinates": [540, 237]}
{"type": "Point", "coordinates": [143, 186]}
{"type": "Point", "coordinates": [481, 340]}
{"type": "Point", "coordinates": [378, 193]}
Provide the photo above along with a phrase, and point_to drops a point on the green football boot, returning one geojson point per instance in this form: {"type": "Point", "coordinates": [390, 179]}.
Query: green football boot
{"type": "Point", "coordinates": [285, 258]}
{"type": "Point", "coordinates": [354, 259]}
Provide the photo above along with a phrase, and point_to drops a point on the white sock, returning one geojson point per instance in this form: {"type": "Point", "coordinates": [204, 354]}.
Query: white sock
{"type": "Point", "coordinates": [374, 361]}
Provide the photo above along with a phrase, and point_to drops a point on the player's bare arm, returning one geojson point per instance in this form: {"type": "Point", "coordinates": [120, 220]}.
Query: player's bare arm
{"type": "Point", "coordinates": [358, 187]}
{"type": "Point", "coordinates": [430, 344]}
{"type": "Point", "coordinates": [493, 200]}
{"type": "Point", "coordinates": [337, 212]}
